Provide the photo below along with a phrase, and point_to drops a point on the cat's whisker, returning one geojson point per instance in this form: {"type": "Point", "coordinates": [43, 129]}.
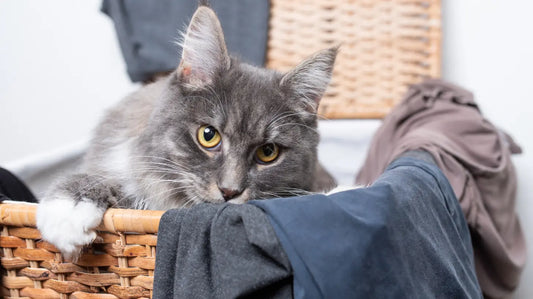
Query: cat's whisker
{"type": "Point", "coordinates": [282, 116]}
{"type": "Point", "coordinates": [287, 191]}
{"type": "Point", "coordinates": [162, 170]}
{"type": "Point", "coordinates": [173, 191]}
{"type": "Point", "coordinates": [119, 202]}
{"type": "Point", "coordinates": [296, 124]}
{"type": "Point", "coordinates": [167, 181]}
{"type": "Point", "coordinates": [98, 179]}
{"type": "Point", "coordinates": [322, 117]}
{"type": "Point", "coordinates": [172, 163]}
{"type": "Point", "coordinates": [219, 100]}
{"type": "Point", "coordinates": [204, 99]}
{"type": "Point", "coordinates": [144, 171]}
{"type": "Point", "coordinates": [297, 191]}
{"type": "Point", "coordinates": [191, 201]}
{"type": "Point", "coordinates": [154, 157]}
{"type": "Point", "coordinates": [162, 164]}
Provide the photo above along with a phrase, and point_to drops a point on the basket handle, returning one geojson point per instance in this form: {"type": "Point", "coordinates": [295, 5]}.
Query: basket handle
{"type": "Point", "coordinates": [115, 220]}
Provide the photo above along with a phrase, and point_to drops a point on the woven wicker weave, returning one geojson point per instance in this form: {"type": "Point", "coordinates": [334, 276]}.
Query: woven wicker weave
{"type": "Point", "coordinates": [119, 265]}
{"type": "Point", "coordinates": [385, 46]}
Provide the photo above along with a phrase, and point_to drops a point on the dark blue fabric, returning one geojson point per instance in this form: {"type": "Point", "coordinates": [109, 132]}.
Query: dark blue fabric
{"type": "Point", "coordinates": [403, 237]}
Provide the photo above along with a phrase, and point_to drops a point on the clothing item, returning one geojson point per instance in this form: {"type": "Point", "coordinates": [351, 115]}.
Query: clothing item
{"type": "Point", "coordinates": [11, 188]}
{"type": "Point", "coordinates": [149, 30]}
{"type": "Point", "coordinates": [444, 120]}
{"type": "Point", "coordinates": [220, 251]}
{"type": "Point", "coordinates": [403, 237]}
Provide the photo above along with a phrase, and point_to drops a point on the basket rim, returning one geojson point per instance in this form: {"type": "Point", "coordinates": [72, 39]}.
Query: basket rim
{"type": "Point", "coordinates": [114, 220]}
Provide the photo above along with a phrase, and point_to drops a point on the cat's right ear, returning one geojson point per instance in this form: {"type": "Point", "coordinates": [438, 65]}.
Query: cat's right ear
{"type": "Point", "coordinates": [309, 80]}
{"type": "Point", "coordinates": [204, 51]}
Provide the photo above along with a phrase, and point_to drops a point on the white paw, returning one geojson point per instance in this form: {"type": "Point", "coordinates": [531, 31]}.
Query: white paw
{"type": "Point", "coordinates": [67, 224]}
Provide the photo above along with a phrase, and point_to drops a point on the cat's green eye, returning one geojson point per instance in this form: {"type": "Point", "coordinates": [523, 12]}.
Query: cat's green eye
{"type": "Point", "coordinates": [208, 137]}
{"type": "Point", "coordinates": [267, 153]}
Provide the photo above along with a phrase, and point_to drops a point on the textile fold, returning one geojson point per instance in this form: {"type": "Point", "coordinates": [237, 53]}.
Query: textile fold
{"type": "Point", "coordinates": [220, 251]}
{"type": "Point", "coordinates": [148, 31]}
{"type": "Point", "coordinates": [444, 120]}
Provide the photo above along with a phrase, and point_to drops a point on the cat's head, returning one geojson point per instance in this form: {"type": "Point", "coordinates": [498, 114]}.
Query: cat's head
{"type": "Point", "coordinates": [232, 131]}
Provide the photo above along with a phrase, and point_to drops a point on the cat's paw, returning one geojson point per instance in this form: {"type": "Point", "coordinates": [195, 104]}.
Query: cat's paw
{"type": "Point", "coordinates": [67, 223]}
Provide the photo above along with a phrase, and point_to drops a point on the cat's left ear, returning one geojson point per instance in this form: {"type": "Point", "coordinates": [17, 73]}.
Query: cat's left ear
{"type": "Point", "coordinates": [309, 80]}
{"type": "Point", "coordinates": [204, 50]}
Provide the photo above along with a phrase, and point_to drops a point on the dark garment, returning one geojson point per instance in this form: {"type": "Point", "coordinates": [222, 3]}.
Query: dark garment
{"type": "Point", "coordinates": [148, 31]}
{"type": "Point", "coordinates": [403, 237]}
{"type": "Point", "coordinates": [444, 120]}
{"type": "Point", "coordinates": [11, 188]}
{"type": "Point", "coordinates": [220, 251]}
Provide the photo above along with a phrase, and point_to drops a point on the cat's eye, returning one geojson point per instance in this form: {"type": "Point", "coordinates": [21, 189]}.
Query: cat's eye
{"type": "Point", "coordinates": [267, 153]}
{"type": "Point", "coordinates": [208, 137]}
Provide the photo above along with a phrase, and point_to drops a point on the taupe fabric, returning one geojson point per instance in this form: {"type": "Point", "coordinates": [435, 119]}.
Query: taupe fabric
{"type": "Point", "coordinates": [444, 120]}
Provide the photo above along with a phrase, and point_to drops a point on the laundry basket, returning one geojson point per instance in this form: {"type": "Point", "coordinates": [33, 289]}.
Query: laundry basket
{"type": "Point", "coordinates": [386, 45]}
{"type": "Point", "coordinates": [120, 263]}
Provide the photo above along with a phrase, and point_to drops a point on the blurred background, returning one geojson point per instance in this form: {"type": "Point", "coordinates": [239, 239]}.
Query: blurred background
{"type": "Point", "coordinates": [61, 67]}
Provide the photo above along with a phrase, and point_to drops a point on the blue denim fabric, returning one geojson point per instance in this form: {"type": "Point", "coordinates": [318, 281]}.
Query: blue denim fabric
{"type": "Point", "coordinates": [403, 237]}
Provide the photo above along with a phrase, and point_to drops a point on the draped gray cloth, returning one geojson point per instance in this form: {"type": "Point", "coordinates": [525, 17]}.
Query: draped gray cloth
{"type": "Point", "coordinates": [220, 251]}
{"type": "Point", "coordinates": [148, 31]}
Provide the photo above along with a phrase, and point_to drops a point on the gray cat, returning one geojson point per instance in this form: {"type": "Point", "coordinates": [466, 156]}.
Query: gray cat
{"type": "Point", "coordinates": [215, 130]}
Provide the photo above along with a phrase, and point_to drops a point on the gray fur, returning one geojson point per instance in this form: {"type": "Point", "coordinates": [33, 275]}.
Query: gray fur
{"type": "Point", "coordinates": [145, 152]}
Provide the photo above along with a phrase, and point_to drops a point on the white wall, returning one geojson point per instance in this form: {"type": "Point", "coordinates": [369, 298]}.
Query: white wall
{"type": "Point", "coordinates": [488, 48]}
{"type": "Point", "coordinates": [60, 66]}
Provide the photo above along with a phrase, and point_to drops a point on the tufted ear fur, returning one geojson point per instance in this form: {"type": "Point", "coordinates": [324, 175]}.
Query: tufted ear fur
{"type": "Point", "coordinates": [204, 50]}
{"type": "Point", "coordinates": [309, 80]}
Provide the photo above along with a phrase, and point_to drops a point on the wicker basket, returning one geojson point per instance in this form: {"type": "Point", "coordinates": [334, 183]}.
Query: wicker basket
{"type": "Point", "coordinates": [120, 264]}
{"type": "Point", "coordinates": [385, 46]}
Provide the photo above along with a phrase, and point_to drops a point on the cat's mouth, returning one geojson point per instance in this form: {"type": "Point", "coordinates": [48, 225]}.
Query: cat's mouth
{"type": "Point", "coordinates": [214, 194]}
{"type": "Point", "coordinates": [242, 198]}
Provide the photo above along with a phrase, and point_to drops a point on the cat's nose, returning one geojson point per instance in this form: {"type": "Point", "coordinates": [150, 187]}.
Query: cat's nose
{"type": "Point", "coordinates": [229, 193]}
